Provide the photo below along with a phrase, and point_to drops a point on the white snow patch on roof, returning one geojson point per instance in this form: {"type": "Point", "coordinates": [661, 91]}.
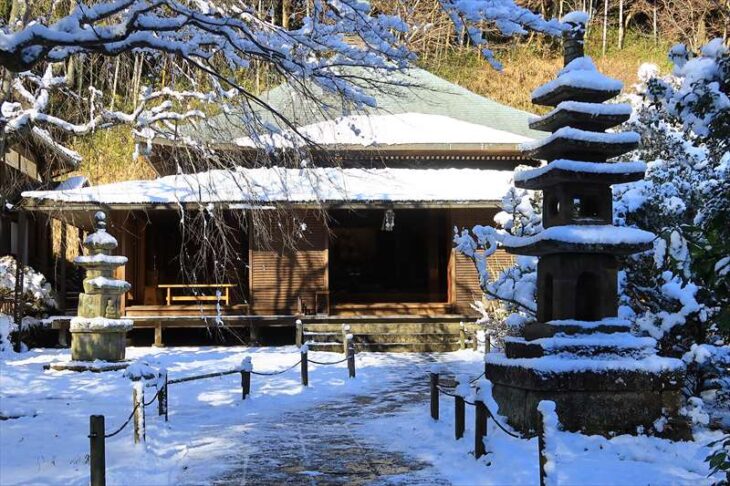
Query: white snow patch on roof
{"type": "Point", "coordinates": [391, 129]}
{"type": "Point", "coordinates": [276, 184]}
{"type": "Point", "coordinates": [584, 234]}
{"type": "Point", "coordinates": [74, 182]}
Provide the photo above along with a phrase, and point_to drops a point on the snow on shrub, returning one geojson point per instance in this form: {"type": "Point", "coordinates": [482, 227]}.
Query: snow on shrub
{"type": "Point", "coordinates": [7, 326]}
{"type": "Point", "coordinates": [37, 292]}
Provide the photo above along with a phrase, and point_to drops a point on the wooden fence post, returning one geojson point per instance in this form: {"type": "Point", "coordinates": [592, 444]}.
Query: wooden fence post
{"type": "Point", "coordinates": [345, 332]}
{"type": "Point", "coordinates": [459, 415]}
{"type": "Point", "coordinates": [140, 434]}
{"type": "Point", "coordinates": [300, 333]}
{"type": "Point", "coordinates": [97, 450]}
{"type": "Point", "coordinates": [487, 343]}
{"type": "Point", "coordinates": [480, 427]}
{"type": "Point", "coordinates": [305, 365]}
{"type": "Point", "coordinates": [162, 396]}
{"type": "Point", "coordinates": [434, 395]}
{"type": "Point", "coordinates": [475, 341]}
{"type": "Point", "coordinates": [350, 356]}
{"type": "Point", "coordinates": [462, 336]}
{"type": "Point", "coordinates": [246, 369]}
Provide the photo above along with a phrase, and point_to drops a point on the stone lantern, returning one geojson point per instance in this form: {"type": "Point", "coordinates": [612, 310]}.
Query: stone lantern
{"type": "Point", "coordinates": [602, 377]}
{"type": "Point", "coordinates": [98, 333]}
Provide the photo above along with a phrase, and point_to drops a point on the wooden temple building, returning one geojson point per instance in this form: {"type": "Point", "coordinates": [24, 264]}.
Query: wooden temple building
{"type": "Point", "coordinates": [392, 182]}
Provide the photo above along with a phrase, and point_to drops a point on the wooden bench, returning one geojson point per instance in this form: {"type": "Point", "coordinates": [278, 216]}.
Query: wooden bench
{"type": "Point", "coordinates": [170, 298]}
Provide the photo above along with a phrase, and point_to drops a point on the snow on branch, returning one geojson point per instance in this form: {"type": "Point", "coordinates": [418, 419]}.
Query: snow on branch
{"type": "Point", "coordinates": [470, 16]}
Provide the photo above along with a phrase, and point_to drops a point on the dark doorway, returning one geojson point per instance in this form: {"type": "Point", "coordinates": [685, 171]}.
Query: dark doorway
{"type": "Point", "coordinates": [547, 298]}
{"type": "Point", "coordinates": [587, 297]}
{"type": "Point", "coordinates": [171, 258]}
{"type": "Point", "coordinates": [368, 264]}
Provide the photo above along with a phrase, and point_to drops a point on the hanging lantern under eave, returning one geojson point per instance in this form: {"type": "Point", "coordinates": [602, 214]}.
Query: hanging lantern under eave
{"type": "Point", "coordinates": [388, 220]}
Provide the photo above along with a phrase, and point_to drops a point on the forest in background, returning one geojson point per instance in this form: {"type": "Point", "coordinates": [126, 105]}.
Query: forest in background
{"type": "Point", "coordinates": [621, 36]}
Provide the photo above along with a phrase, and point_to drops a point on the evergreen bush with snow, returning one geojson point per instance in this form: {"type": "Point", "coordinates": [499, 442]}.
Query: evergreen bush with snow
{"type": "Point", "coordinates": [38, 295]}
{"type": "Point", "coordinates": [679, 292]}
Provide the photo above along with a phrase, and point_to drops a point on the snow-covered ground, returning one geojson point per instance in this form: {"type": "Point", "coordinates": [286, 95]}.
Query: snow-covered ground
{"type": "Point", "coordinates": [375, 428]}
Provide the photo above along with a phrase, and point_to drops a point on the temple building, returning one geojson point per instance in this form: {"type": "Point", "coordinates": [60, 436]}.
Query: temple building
{"type": "Point", "coordinates": [393, 181]}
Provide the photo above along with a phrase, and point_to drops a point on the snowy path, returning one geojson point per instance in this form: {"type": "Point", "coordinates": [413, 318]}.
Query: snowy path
{"type": "Point", "coordinates": [374, 430]}
{"type": "Point", "coordinates": [328, 444]}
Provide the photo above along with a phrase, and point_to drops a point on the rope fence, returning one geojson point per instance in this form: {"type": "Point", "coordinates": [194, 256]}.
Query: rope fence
{"type": "Point", "coordinates": [97, 430]}
{"type": "Point", "coordinates": [482, 412]}
{"type": "Point", "coordinates": [545, 413]}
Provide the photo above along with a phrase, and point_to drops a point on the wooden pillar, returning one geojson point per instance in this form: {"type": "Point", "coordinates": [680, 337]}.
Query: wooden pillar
{"type": "Point", "coordinates": [158, 335]}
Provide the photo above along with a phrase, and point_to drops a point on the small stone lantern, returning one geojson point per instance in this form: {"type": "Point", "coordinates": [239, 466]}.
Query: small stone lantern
{"type": "Point", "coordinates": [98, 333]}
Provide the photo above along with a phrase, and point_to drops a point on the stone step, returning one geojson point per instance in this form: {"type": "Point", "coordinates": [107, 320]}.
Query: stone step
{"type": "Point", "coordinates": [573, 327]}
{"type": "Point", "coordinates": [383, 338]}
{"type": "Point", "coordinates": [591, 345]}
{"type": "Point", "coordinates": [389, 347]}
{"type": "Point", "coordinates": [379, 327]}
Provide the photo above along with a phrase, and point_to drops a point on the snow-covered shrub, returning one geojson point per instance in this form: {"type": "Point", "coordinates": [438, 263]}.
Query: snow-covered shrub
{"type": "Point", "coordinates": [680, 291]}
{"type": "Point", "coordinates": [7, 327]}
{"type": "Point", "coordinates": [37, 292]}
{"type": "Point", "coordinates": [514, 287]}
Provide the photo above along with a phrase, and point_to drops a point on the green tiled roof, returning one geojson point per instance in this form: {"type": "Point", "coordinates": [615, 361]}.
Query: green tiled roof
{"type": "Point", "coordinates": [411, 91]}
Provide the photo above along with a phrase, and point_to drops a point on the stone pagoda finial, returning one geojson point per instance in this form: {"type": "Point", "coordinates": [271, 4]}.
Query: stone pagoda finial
{"type": "Point", "coordinates": [97, 332]}
{"type": "Point", "coordinates": [573, 38]}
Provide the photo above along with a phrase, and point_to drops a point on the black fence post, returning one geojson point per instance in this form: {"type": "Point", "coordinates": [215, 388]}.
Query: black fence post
{"type": "Point", "coordinates": [480, 428]}
{"type": "Point", "coordinates": [97, 451]}
{"type": "Point", "coordinates": [305, 365]}
{"type": "Point", "coordinates": [459, 416]}
{"type": "Point", "coordinates": [245, 384]}
{"type": "Point", "coordinates": [434, 395]}
{"type": "Point", "coordinates": [162, 396]}
{"type": "Point", "coordinates": [246, 369]}
{"type": "Point", "coordinates": [350, 356]}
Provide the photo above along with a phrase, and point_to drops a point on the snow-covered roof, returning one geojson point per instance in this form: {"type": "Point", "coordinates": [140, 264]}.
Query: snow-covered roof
{"type": "Point", "coordinates": [261, 186]}
{"type": "Point", "coordinates": [389, 129]}
{"type": "Point", "coordinates": [413, 106]}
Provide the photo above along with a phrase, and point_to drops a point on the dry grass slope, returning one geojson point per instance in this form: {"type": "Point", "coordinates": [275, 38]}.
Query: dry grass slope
{"type": "Point", "coordinates": [526, 66]}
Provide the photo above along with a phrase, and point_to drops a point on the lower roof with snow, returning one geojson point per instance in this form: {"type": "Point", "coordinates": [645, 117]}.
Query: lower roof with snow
{"type": "Point", "coordinates": [245, 187]}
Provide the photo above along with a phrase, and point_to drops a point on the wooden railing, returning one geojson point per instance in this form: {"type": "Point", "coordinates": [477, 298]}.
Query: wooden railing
{"type": "Point", "coordinates": [170, 297]}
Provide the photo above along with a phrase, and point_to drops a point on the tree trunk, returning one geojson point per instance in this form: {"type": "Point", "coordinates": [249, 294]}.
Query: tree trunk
{"type": "Point", "coordinates": [114, 83]}
{"type": "Point", "coordinates": [620, 24]}
{"type": "Point", "coordinates": [19, 12]}
{"type": "Point", "coordinates": [605, 26]}
{"type": "Point", "coordinates": [285, 12]}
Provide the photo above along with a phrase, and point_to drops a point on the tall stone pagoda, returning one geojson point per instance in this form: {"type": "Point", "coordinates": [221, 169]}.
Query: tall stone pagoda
{"type": "Point", "coordinates": [98, 332]}
{"type": "Point", "coordinates": [579, 354]}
